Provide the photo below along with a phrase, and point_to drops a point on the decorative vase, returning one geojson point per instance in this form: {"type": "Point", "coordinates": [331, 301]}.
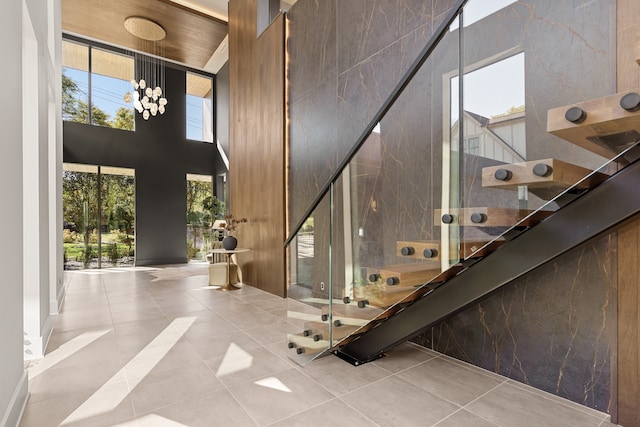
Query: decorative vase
{"type": "Point", "coordinates": [229, 243]}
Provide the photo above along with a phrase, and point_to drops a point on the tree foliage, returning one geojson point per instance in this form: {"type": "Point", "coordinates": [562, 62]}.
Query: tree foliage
{"type": "Point", "coordinates": [76, 109]}
{"type": "Point", "coordinates": [80, 206]}
{"type": "Point", "coordinates": [197, 192]}
{"type": "Point", "coordinates": [123, 119]}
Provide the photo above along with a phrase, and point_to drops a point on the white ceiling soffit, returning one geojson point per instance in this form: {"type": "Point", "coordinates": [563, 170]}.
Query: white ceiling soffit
{"type": "Point", "coordinates": [219, 57]}
{"type": "Point", "coordinates": [216, 8]}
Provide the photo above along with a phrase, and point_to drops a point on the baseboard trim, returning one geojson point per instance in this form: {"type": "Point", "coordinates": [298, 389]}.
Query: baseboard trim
{"type": "Point", "coordinates": [17, 404]}
{"type": "Point", "coordinates": [38, 344]}
{"type": "Point", "coordinates": [55, 306]}
{"type": "Point", "coordinates": [160, 261]}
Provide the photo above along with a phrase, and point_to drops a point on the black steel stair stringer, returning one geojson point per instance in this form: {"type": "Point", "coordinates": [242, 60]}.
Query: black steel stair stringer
{"type": "Point", "coordinates": [597, 211]}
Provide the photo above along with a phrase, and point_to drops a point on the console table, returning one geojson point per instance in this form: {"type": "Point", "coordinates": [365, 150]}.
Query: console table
{"type": "Point", "coordinates": [229, 286]}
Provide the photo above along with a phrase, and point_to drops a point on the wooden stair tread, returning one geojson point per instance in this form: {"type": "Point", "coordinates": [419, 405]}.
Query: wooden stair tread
{"type": "Point", "coordinates": [409, 274]}
{"type": "Point", "coordinates": [495, 217]}
{"type": "Point", "coordinates": [387, 296]}
{"type": "Point", "coordinates": [380, 298]}
{"type": "Point", "coordinates": [410, 267]}
{"type": "Point", "coordinates": [562, 176]}
{"type": "Point", "coordinates": [352, 311]}
{"type": "Point", "coordinates": [605, 117]}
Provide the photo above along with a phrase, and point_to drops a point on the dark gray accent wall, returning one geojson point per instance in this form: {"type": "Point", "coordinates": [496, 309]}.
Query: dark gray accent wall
{"type": "Point", "coordinates": [162, 156]}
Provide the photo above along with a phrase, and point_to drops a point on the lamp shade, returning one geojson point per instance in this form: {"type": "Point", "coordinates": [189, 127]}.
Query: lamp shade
{"type": "Point", "coordinates": [217, 224]}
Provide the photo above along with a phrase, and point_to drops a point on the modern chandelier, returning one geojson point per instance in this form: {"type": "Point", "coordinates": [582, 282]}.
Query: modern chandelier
{"type": "Point", "coordinates": [148, 88]}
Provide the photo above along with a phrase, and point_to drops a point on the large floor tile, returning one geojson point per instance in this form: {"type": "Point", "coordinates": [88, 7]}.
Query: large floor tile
{"type": "Point", "coordinates": [333, 413]}
{"type": "Point", "coordinates": [395, 402]}
{"type": "Point", "coordinates": [269, 334]}
{"type": "Point", "coordinates": [463, 418]}
{"type": "Point", "coordinates": [449, 381]}
{"type": "Point", "coordinates": [565, 402]}
{"type": "Point", "coordinates": [138, 314]}
{"type": "Point", "coordinates": [238, 366]}
{"type": "Point", "coordinates": [57, 382]}
{"type": "Point", "coordinates": [218, 408]}
{"type": "Point", "coordinates": [340, 377]}
{"type": "Point", "coordinates": [249, 321]}
{"type": "Point", "coordinates": [403, 357]}
{"type": "Point", "coordinates": [276, 397]}
{"type": "Point", "coordinates": [162, 389]}
{"type": "Point", "coordinates": [218, 345]}
{"type": "Point", "coordinates": [508, 405]}
{"type": "Point", "coordinates": [82, 320]}
{"type": "Point", "coordinates": [104, 407]}
{"type": "Point", "coordinates": [158, 359]}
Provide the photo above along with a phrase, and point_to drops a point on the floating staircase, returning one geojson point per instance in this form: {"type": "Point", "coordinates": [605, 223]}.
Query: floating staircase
{"type": "Point", "coordinates": [401, 300]}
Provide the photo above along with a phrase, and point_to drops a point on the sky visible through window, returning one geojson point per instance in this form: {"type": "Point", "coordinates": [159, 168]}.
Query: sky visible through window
{"type": "Point", "coordinates": [491, 90]}
{"type": "Point", "coordinates": [194, 118]}
{"type": "Point", "coordinates": [108, 95]}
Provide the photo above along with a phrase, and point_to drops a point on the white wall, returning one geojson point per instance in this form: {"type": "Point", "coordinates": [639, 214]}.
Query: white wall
{"type": "Point", "coordinates": [12, 374]}
{"type": "Point", "coordinates": [30, 190]}
{"type": "Point", "coordinates": [41, 149]}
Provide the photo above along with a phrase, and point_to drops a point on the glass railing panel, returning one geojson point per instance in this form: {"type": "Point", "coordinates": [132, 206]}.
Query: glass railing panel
{"type": "Point", "coordinates": [515, 74]}
{"type": "Point", "coordinates": [387, 243]}
{"type": "Point", "coordinates": [308, 302]}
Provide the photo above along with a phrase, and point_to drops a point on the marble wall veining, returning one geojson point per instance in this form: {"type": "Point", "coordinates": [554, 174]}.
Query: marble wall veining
{"type": "Point", "coordinates": [549, 329]}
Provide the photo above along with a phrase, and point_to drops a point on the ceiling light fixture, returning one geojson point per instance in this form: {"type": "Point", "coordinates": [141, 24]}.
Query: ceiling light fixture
{"type": "Point", "coordinates": [147, 97]}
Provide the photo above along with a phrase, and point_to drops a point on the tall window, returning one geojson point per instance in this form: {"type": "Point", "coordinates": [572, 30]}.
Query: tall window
{"type": "Point", "coordinates": [199, 108]}
{"type": "Point", "coordinates": [100, 79]}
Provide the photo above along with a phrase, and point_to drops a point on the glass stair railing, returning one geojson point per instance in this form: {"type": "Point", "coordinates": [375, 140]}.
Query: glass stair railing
{"type": "Point", "coordinates": [437, 183]}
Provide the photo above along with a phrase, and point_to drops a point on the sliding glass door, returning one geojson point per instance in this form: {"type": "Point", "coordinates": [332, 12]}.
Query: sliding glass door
{"type": "Point", "coordinates": [99, 216]}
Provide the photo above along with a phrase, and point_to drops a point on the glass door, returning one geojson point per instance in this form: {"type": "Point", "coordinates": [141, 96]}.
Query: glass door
{"type": "Point", "coordinates": [98, 216]}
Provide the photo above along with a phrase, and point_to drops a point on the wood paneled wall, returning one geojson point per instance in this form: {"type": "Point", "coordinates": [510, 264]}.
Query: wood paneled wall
{"type": "Point", "coordinates": [628, 354]}
{"type": "Point", "coordinates": [257, 145]}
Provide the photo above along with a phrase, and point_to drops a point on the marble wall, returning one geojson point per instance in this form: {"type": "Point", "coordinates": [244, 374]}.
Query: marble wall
{"type": "Point", "coordinates": [551, 328]}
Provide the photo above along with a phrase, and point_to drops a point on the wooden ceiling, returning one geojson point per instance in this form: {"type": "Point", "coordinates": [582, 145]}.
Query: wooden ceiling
{"type": "Point", "coordinates": [192, 37]}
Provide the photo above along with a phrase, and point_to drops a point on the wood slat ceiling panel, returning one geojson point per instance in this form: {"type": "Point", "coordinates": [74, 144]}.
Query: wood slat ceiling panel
{"type": "Point", "coordinates": [191, 37]}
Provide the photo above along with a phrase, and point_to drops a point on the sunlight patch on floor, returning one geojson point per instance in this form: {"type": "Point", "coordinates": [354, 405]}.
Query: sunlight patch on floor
{"type": "Point", "coordinates": [273, 383]}
{"type": "Point", "coordinates": [64, 351]}
{"type": "Point", "coordinates": [235, 360]}
{"type": "Point", "coordinates": [107, 399]}
{"type": "Point", "coordinates": [158, 421]}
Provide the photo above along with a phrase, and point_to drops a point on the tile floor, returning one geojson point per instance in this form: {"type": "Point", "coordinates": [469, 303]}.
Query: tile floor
{"type": "Point", "coordinates": [158, 347]}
